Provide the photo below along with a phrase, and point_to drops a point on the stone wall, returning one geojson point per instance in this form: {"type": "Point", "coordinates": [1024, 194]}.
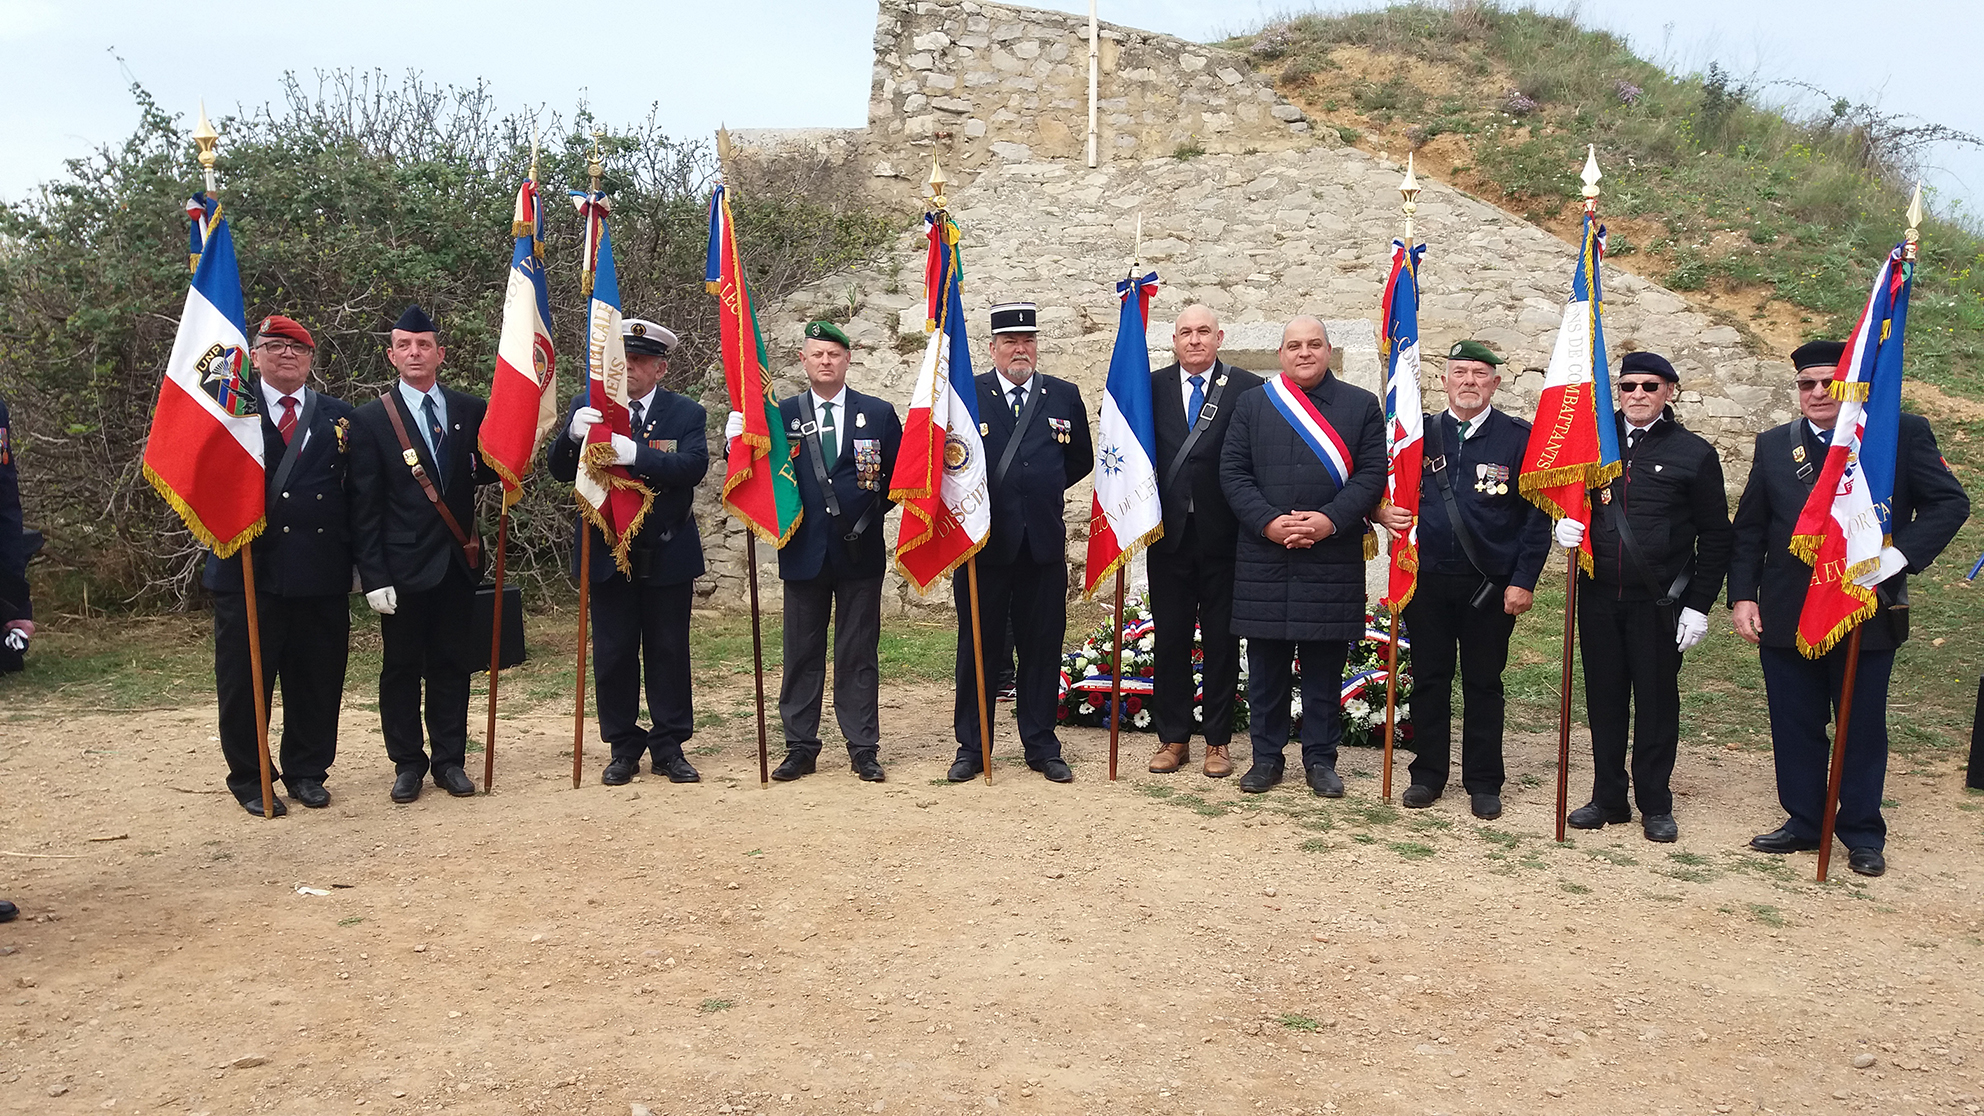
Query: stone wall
{"type": "Point", "coordinates": [1270, 223]}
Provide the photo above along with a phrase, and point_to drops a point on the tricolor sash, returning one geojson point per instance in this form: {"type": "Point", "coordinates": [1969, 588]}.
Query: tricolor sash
{"type": "Point", "coordinates": [1315, 430]}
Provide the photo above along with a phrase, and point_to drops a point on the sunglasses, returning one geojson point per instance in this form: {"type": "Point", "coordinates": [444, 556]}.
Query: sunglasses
{"type": "Point", "coordinates": [1813, 385]}
{"type": "Point", "coordinates": [1627, 387]}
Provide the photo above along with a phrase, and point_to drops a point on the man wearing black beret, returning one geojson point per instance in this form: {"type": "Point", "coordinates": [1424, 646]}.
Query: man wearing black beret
{"type": "Point", "coordinates": [1767, 585]}
{"type": "Point", "coordinates": [1660, 544]}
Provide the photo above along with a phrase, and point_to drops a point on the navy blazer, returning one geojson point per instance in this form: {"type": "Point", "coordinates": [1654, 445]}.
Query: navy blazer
{"type": "Point", "coordinates": [14, 603]}
{"type": "Point", "coordinates": [397, 536]}
{"type": "Point", "coordinates": [305, 551]}
{"type": "Point", "coordinates": [1028, 507]}
{"type": "Point", "coordinates": [1929, 506]}
{"type": "Point", "coordinates": [818, 545]}
{"type": "Point", "coordinates": [671, 458]}
{"type": "Point", "coordinates": [1198, 478]}
{"type": "Point", "coordinates": [1511, 534]}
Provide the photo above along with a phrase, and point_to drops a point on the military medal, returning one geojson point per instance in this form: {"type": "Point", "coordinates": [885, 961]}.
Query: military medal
{"type": "Point", "coordinates": [1060, 427]}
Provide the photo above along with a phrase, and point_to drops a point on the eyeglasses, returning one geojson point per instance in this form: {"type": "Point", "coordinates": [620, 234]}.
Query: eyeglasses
{"type": "Point", "coordinates": [1805, 386]}
{"type": "Point", "coordinates": [1627, 387]}
{"type": "Point", "coordinates": [283, 348]}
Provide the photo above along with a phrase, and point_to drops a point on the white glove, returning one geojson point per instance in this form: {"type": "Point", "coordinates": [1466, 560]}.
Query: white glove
{"type": "Point", "coordinates": [582, 420]}
{"type": "Point", "coordinates": [17, 639]}
{"type": "Point", "coordinates": [1692, 627]}
{"type": "Point", "coordinates": [733, 426]}
{"type": "Point", "coordinates": [1569, 533]}
{"type": "Point", "coordinates": [623, 450]}
{"type": "Point", "coordinates": [383, 601]}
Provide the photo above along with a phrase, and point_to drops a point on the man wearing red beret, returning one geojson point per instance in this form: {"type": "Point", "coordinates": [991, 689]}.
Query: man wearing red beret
{"type": "Point", "coordinates": [302, 579]}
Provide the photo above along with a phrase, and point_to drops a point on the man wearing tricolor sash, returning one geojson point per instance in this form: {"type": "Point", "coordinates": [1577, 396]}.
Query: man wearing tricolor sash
{"type": "Point", "coordinates": [1768, 590]}
{"type": "Point", "coordinates": [1303, 466]}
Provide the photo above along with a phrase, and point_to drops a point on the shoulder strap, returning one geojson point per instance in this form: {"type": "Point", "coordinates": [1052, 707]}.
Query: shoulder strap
{"type": "Point", "coordinates": [1206, 414]}
{"type": "Point", "coordinates": [1033, 396]}
{"type": "Point", "coordinates": [471, 548]}
{"type": "Point", "coordinates": [295, 449]}
{"type": "Point", "coordinates": [1631, 544]}
{"type": "Point", "coordinates": [1441, 468]}
{"type": "Point", "coordinates": [809, 432]}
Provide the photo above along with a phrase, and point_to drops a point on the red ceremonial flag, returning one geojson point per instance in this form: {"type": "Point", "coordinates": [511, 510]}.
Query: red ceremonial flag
{"type": "Point", "coordinates": [204, 455]}
{"type": "Point", "coordinates": [610, 497]}
{"type": "Point", "coordinates": [1405, 445]}
{"type": "Point", "coordinates": [523, 399]}
{"type": "Point", "coordinates": [759, 485]}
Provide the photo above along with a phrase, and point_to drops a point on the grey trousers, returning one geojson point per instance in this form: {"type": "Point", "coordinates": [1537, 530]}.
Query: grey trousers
{"type": "Point", "coordinates": [855, 606]}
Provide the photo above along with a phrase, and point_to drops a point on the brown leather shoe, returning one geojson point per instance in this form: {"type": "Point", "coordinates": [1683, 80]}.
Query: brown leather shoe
{"type": "Point", "coordinates": [1218, 766]}
{"type": "Point", "coordinates": [1169, 758]}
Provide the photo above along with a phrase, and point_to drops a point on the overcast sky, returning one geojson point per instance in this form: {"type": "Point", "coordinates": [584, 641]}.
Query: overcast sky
{"type": "Point", "coordinates": [806, 63]}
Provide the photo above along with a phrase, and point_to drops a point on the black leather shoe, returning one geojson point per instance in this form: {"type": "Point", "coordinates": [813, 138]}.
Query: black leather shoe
{"type": "Point", "coordinates": [406, 786]}
{"type": "Point", "coordinates": [678, 770]}
{"type": "Point", "coordinates": [254, 805]}
{"type": "Point", "coordinates": [1487, 807]}
{"type": "Point", "coordinates": [868, 767]}
{"type": "Point", "coordinates": [620, 772]}
{"type": "Point", "coordinates": [8, 911]}
{"type": "Point", "coordinates": [311, 793]}
{"type": "Point", "coordinates": [1866, 861]}
{"type": "Point", "coordinates": [795, 765]}
{"type": "Point", "coordinates": [1264, 775]}
{"type": "Point", "coordinates": [1782, 840]}
{"type": "Point", "coordinates": [455, 781]}
{"type": "Point", "coordinates": [1057, 771]}
{"type": "Point", "coordinates": [1417, 797]}
{"type": "Point", "coordinates": [1324, 781]}
{"type": "Point", "coordinates": [1593, 816]}
{"type": "Point", "coordinates": [964, 771]}
{"type": "Point", "coordinates": [1660, 827]}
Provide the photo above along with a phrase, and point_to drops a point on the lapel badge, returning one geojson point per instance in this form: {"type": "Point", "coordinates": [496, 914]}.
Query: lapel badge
{"type": "Point", "coordinates": [984, 429]}
{"type": "Point", "coordinates": [1219, 379]}
{"type": "Point", "coordinates": [860, 420]}
{"type": "Point", "coordinates": [1798, 454]}
{"type": "Point", "coordinates": [1605, 495]}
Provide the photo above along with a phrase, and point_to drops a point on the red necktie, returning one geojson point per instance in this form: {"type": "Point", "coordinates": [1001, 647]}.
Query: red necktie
{"type": "Point", "coordinates": [286, 425]}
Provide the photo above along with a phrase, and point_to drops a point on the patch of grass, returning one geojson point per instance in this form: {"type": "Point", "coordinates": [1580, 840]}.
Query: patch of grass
{"type": "Point", "coordinates": [1299, 1023]}
{"type": "Point", "coordinates": [1156, 790]}
{"type": "Point", "coordinates": [1611, 856]}
{"type": "Point", "coordinates": [1767, 914]}
{"type": "Point", "coordinates": [352, 920]}
{"type": "Point", "coordinates": [1199, 806]}
{"type": "Point", "coordinates": [711, 1007]}
{"type": "Point", "coordinates": [1315, 844]}
{"type": "Point", "coordinates": [1189, 150]}
{"type": "Point", "coordinates": [1573, 887]}
{"type": "Point", "coordinates": [1691, 875]}
{"type": "Point", "coordinates": [1432, 823]}
{"type": "Point", "coordinates": [1500, 837]}
{"type": "Point", "coordinates": [1412, 850]}
{"type": "Point", "coordinates": [1371, 813]}
{"type": "Point", "coordinates": [1364, 838]}
{"type": "Point", "coordinates": [1688, 858]}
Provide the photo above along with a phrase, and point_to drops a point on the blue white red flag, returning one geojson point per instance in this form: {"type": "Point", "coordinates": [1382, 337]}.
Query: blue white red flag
{"type": "Point", "coordinates": [940, 478]}
{"type": "Point", "coordinates": [1844, 532]}
{"type": "Point", "coordinates": [609, 496]}
{"type": "Point", "coordinates": [1405, 446]}
{"type": "Point", "coordinates": [523, 395]}
{"type": "Point", "coordinates": [1124, 514]}
{"type": "Point", "coordinates": [204, 455]}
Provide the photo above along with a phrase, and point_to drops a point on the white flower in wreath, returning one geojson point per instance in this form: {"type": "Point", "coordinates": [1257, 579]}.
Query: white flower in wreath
{"type": "Point", "coordinates": [1199, 713]}
{"type": "Point", "coordinates": [1358, 708]}
{"type": "Point", "coordinates": [1404, 712]}
{"type": "Point", "coordinates": [1295, 706]}
{"type": "Point", "coordinates": [1147, 642]}
{"type": "Point", "coordinates": [1142, 719]}
{"type": "Point", "coordinates": [1084, 708]}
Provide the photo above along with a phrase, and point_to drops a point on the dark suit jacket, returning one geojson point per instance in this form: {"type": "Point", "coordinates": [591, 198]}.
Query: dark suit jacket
{"type": "Point", "coordinates": [1027, 508]}
{"type": "Point", "coordinates": [305, 551]}
{"type": "Point", "coordinates": [672, 457]}
{"type": "Point", "coordinates": [1511, 535]}
{"type": "Point", "coordinates": [397, 536]}
{"type": "Point", "coordinates": [818, 544]}
{"type": "Point", "coordinates": [14, 603]}
{"type": "Point", "coordinates": [1267, 470]}
{"type": "Point", "coordinates": [1929, 506]}
{"type": "Point", "coordinates": [1198, 479]}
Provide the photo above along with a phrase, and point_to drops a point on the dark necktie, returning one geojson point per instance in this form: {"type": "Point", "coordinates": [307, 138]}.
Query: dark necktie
{"type": "Point", "coordinates": [438, 436]}
{"type": "Point", "coordinates": [1825, 437]}
{"type": "Point", "coordinates": [1018, 395]}
{"type": "Point", "coordinates": [829, 439]}
{"type": "Point", "coordinates": [286, 425]}
{"type": "Point", "coordinates": [640, 420]}
{"type": "Point", "coordinates": [1632, 441]}
{"type": "Point", "coordinates": [1198, 401]}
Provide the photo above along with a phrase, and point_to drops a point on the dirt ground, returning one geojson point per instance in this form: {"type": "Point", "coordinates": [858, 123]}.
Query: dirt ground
{"type": "Point", "coordinates": [1156, 945]}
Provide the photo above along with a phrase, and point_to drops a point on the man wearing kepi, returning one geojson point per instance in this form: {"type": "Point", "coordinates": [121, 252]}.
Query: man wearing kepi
{"type": "Point", "coordinates": [302, 581]}
{"type": "Point", "coordinates": [640, 619]}
{"type": "Point", "coordinates": [832, 567]}
{"type": "Point", "coordinates": [1660, 543]}
{"type": "Point", "coordinates": [1191, 566]}
{"type": "Point", "coordinates": [1767, 585]}
{"type": "Point", "coordinates": [414, 471]}
{"type": "Point", "coordinates": [1303, 465]}
{"type": "Point", "coordinates": [1037, 443]}
{"type": "Point", "coordinates": [1481, 548]}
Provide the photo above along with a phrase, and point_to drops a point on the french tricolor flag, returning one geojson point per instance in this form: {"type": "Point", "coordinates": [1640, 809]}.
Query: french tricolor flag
{"type": "Point", "coordinates": [1405, 444]}
{"type": "Point", "coordinates": [1124, 514]}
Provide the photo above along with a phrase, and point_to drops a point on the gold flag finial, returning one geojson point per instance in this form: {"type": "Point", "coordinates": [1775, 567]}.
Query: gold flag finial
{"type": "Point", "coordinates": [533, 151]}
{"type": "Point", "coordinates": [205, 136]}
{"type": "Point", "coordinates": [1591, 177]}
{"type": "Point", "coordinates": [1914, 234]}
{"type": "Point", "coordinates": [1409, 190]}
{"type": "Point", "coordinates": [937, 183]}
{"type": "Point", "coordinates": [722, 149]}
{"type": "Point", "coordinates": [596, 160]}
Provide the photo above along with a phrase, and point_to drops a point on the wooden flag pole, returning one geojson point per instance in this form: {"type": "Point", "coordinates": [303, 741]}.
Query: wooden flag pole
{"type": "Point", "coordinates": [757, 659]}
{"type": "Point", "coordinates": [1391, 704]}
{"type": "Point", "coordinates": [261, 694]}
{"type": "Point", "coordinates": [495, 652]}
{"type": "Point", "coordinates": [1116, 677]}
{"type": "Point", "coordinates": [978, 662]}
{"type": "Point", "coordinates": [585, 605]}
{"type": "Point", "coordinates": [1564, 691]}
{"type": "Point", "coordinates": [1833, 773]}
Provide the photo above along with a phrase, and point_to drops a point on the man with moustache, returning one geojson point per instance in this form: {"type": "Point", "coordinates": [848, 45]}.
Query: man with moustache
{"type": "Point", "coordinates": [1191, 566]}
{"type": "Point", "coordinates": [1037, 441]}
{"type": "Point", "coordinates": [1303, 465]}
{"type": "Point", "coordinates": [414, 472]}
{"type": "Point", "coordinates": [1481, 549]}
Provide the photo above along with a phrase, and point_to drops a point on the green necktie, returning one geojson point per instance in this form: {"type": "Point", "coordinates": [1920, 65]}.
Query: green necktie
{"type": "Point", "coordinates": [1464, 424]}
{"type": "Point", "coordinates": [828, 448]}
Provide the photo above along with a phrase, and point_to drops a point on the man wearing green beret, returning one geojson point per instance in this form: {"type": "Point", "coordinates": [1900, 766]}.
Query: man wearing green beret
{"type": "Point", "coordinates": [845, 443]}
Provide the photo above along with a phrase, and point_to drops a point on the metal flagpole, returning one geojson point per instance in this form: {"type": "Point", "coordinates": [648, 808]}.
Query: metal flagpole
{"type": "Point", "coordinates": [205, 136]}
{"type": "Point", "coordinates": [1409, 190]}
{"type": "Point", "coordinates": [1590, 177]}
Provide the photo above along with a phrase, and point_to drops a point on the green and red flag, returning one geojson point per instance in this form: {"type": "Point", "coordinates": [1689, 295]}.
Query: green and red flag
{"type": "Point", "coordinates": [759, 486]}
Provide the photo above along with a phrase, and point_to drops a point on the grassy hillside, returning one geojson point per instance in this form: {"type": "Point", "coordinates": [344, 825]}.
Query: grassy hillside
{"type": "Point", "coordinates": [1775, 223]}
